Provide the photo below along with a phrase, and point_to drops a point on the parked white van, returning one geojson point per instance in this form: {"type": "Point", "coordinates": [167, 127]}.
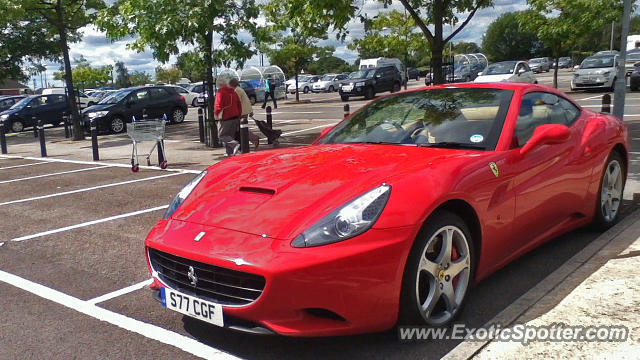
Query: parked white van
{"type": "Point", "coordinates": [381, 61]}
{"type": "Point", "coordinates": [85, 101]}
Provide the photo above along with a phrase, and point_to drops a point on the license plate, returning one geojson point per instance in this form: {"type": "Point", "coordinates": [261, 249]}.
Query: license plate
{"type": "Point", "coordinates": [192, 306]}
{"type": "Point", "coordinates": [347, 88]}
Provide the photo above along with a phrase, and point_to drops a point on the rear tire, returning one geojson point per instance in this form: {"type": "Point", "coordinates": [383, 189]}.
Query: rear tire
{"type": "Point", "coordinates": [438, 273]}
{"type": "Point", "coordinates": [396, 87]}
{"type": "Point", "coordinates": [253, 99]}
{"type": "Point", "coordinates": [610, 193]}
{"type": "Point", "coordinates": [177, 116]}
{"type": "Point", "coordinates": [331, 88]}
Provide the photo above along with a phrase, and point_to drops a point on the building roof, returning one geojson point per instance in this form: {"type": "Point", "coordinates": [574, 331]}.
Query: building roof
{"type": "Point", "coordinates": [10, 84]}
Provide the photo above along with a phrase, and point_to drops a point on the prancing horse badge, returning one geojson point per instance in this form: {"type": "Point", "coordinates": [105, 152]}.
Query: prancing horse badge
{"type": "Point", "coordinates": [494, 169]}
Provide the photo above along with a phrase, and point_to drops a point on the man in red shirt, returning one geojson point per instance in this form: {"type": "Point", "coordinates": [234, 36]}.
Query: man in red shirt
{"type": "Point", "coordinates": [227, 110]}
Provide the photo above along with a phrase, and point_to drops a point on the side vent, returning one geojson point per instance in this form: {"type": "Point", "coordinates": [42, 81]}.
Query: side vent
{"type": "Point", "coordinates": [257, 190]}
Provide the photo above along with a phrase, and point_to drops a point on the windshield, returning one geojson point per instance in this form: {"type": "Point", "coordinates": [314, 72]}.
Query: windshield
{"type": "Point", "coordinates": [115, 97]}
{"type": "Point", "coordinates": [362, 74]}
{"type": "Point", "coordinates": [328, 77]}
{"type": "Point", "coordinates": [500, 68]}
{"type": "Point", "coordinates": [536, 60]}
{"type": "Point", "coordinates": [633, 56]}
{"type": "Point", "coordinates": [595, 62]}
{"type": "Point", "coordinates": [20, 104]}
{"type": "Point", "coordinates": [450, 117]}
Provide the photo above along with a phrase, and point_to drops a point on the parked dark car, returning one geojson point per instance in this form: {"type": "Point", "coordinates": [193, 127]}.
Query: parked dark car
{"type": "Point", "coordinates": [250, 90]}
{"type": "Point", "coordinates": [114, 111]}
{"type": "Point", "coordinates": [26, 112]}
{"type": "Point", "coordinates": [369, 82]}
{"type": "Point", "coordinates": [413, 73]}
{"type": "Point", "coordinates": [8, 101]}
{"type": "Point", "coordinates": [565, 62]}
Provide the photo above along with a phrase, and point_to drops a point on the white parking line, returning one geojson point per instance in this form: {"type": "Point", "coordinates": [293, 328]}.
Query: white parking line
{"type": "Point", "coordinates": [303, 130]}
{"type": "Point", "coordinates": [115, 294]}
{"type": "Point", "coordinates": [590, 97]}
{"type": "Point", "coordinates": [52, 174]}
{"type": "Point", "coordinates": [88, 189]}
{"type": "Point", "coordinates": [88, 223]}
{"type": "Point", "coordinates": [97, 163]}
{"type": "Point", "coordinates": [23, 165]}
{"type": "Point", "coordinates": [147, 330]}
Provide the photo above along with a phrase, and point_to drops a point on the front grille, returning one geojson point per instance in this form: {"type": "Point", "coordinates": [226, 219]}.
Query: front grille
{"type": "Point", "coordinates": [214, 283]}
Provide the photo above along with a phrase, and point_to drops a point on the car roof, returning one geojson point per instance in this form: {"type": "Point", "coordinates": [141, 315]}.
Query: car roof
{"type": "Point", "coordinates": [498, 85]}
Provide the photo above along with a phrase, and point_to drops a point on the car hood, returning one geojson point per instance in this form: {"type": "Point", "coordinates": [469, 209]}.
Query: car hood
{"type": "Point", "coordinates": [9, 111]}
{"type": "Point", "coordinates": [493, 78]}
{"type": "Point", "coordinates": [348, 81]}
{"type": "Point", "coordinates": [98, 107]}
{"type": "Point", "coordinates": [321, 82]}
{"type": "Point", "coordinates": [596, 71]}
{"type": "Point", "coordinates": [282, 192]}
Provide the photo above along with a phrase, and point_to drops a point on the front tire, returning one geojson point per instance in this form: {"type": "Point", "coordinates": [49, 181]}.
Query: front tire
{"type": "Point", "coordinates": [17, 126]}
{"type": "Point", "coordinates": [194, 103]}
{"type": "Point", "coordinates": [438, 273]}
{"type": "Point", "coordinates": [117, 125]}
{"type": "Point", "coordinates": [305, 90]}
{"type": "Point", "coordinates": [331, 88]}
{"type": "Point", "coordinates": [611, 191]}
{"type": "Point", "coordinates": [396, 87]}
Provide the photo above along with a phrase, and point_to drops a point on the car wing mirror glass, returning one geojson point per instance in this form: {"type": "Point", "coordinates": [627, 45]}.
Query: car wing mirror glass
{"type": "Point", "coordinates": [546, 134]}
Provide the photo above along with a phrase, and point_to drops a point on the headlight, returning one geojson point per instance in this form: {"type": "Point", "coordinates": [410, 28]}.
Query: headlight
{"type": "Point", "coordinates": [96, 114]}
{"type": "Point", "coordinates": [360, 83]}
{"type": "Point", "coordinates": [182, 195]}
{"type": "Point", "coordinates": [4, 117]}
{"type": "Point", "coordinates": [349, 220]}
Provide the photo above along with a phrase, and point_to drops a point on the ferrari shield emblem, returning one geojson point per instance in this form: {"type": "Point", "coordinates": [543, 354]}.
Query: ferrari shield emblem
{"type": "Point", "coordinates": [494, 169]}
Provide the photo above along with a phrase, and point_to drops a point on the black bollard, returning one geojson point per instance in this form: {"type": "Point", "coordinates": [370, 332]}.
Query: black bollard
{"type": "Point", "coordinates": [43, 146]}
{"type": "Point", "coordinates": [65, 121]}
{"type": "Point", "coordinates": [269, 121]}
{"type": "Point", "coordinates": [3, 138]}
{"type": "Point", "coordinates": [201, 124]}
{"type": "Point", "coordinates": [244, 135]}
{"type": "Point", "coordinates": [94, 140]}
{"type": "Point", "coordinates": [606, 104]}
{"type": "Point", "coordinates": [35, 126]}
{"type": "Point", "coordinates": [161, 159]}
{"type": "Point", "coordinates": [346, 111]}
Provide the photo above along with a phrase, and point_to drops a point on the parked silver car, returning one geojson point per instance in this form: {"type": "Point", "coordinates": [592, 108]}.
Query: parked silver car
{"type": "Point", "coordinates": [304, 84]}
{"type": "Point", "coordinates": [538, 65]}
{"type": "Point", "coordinates": [597, 71]}
{"type": "Point", "coordinates": [328, 83]}
{"type": "Point", "coordinates": [633, 57]}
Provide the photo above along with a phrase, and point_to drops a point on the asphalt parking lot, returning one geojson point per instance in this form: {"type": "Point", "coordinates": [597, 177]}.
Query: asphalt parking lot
{"type": "Point", "coordinates": [73, 273]}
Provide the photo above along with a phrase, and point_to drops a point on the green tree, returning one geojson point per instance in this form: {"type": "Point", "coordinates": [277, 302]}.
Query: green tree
{"type": "Point", "coordinates": [163, 25]}
{"type": "Point", "coordinates": [463, 47]}
{"type": "Point", "coordinates": [559, 23]}
{"type": "Point", "coordinates": [191, 63]}
{"type": "Point", "coordinates": [506, 39]}
{"type": "Point", "coordinates": [169, 75]}
{"type": "Point", "coordinates": [391, 35]}
{"type": "Point", "coordinates": [22, 40]}
{"type": "Point", "coordinates": [329, 64]}
{"type": "Point", "coordinates": [296, 27]}
{"type": "Point", "coordinates": [139, 78]}
{"type": "Point", "coordinates": [86, 76]}
{"type": "Point", "coordinates": [122, 75]}
{"type": "Point", "coordinates": [63, 19]}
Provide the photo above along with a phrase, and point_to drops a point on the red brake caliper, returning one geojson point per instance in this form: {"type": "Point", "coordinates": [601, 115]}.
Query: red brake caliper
{"type": "Point", "coordinates": [454, 256]}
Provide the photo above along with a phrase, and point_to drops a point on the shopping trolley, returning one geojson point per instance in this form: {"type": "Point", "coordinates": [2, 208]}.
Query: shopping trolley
{"type": "Point", "coordinates": [147, 130]}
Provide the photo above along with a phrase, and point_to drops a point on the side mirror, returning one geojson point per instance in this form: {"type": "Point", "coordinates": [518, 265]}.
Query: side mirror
{"type": "Point", "coordinates": [546, 134]}
{"type": "Point", "coordinates": [521, 71]}
{"type": "Point", "coordinates": [481, 73]}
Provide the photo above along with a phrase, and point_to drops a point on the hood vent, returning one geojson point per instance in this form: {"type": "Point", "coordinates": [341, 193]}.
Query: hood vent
{"type": "Point", "coordinates": [257, 190]}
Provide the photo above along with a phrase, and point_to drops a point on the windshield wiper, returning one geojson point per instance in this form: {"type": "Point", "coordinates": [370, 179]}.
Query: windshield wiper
{"type": "Point", "coordinates": [378, 143]}
{"type": "Point", "coordinates": [454, 145]}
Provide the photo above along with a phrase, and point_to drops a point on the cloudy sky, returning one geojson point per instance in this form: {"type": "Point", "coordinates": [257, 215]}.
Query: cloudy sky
{"type": "Point", "coordinates": [96, 48]}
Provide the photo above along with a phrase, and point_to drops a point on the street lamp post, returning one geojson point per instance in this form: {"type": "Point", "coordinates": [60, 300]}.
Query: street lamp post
{"type": "Point", "coordinates": [621, 78]}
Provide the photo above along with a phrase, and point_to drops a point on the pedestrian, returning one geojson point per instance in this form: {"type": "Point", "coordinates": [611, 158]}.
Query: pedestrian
{"type": "Point", "coordinates": [227, 110]}
{"type": "Point", "coordinates": [270, 90]}
{"type": "Point", "coordinates": [247, 109]}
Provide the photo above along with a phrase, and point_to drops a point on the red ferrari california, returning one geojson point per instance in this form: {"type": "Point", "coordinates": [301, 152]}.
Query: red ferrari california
{"type": "Point", "coordinates": [390, 216]}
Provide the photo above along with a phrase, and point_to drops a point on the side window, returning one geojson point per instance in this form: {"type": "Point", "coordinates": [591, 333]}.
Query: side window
{"type": "Point", "coordinates": [158, 93]}
{"type": "Point", "coordinates": [519, 67]}
{"type": "Point", "coordinates": [198, 88]}
{"type": "Point", "coordinates": [526, 66]}
{"type": "Point", "coordinates": [141, 95]}
{"type": "Point", "coordinates": [539, 108]}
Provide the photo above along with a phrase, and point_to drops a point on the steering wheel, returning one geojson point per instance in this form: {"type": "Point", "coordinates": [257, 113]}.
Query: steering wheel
{"type": "Point", "coordinates": [396, 126]}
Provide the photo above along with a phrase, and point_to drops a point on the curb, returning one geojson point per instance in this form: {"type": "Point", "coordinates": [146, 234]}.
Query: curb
{"type": "Point", "coordinates": [507, 317]}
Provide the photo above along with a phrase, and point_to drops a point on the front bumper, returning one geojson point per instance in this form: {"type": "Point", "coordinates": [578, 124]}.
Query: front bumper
{"type": "Point", "coordinates": [591, 82]}
{"type": "Point", "coordinates": [354, 91]}
{"type": "Point", "coordinates": [339, 289]}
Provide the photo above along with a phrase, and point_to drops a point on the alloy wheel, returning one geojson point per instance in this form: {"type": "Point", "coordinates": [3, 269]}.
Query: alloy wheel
{"type": "Point", "coordinates": [17, 126]}
{"type": "Point", "coordinates": [117, 125]}
{"type": "Point", "coordinates": [178, 116]}
{"type": "Point", "coordinates": [443, 275]}
{"type": "Point", "coordinates": [611, 191]}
